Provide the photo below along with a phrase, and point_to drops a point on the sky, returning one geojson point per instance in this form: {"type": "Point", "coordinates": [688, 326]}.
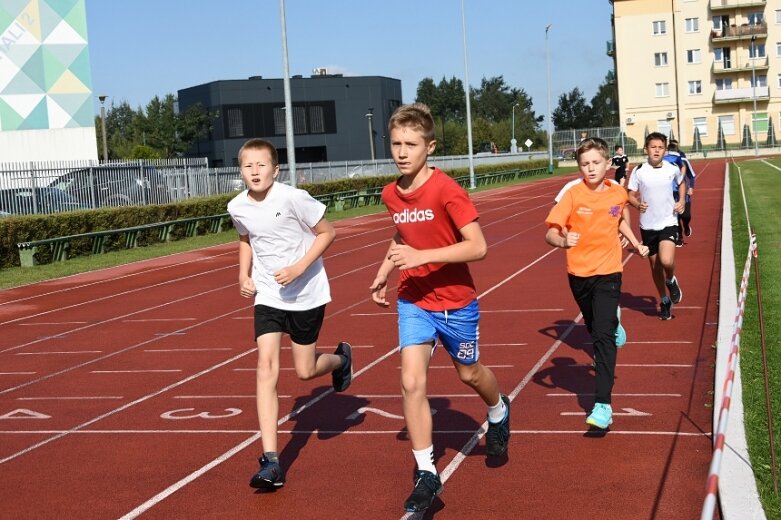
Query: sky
{"type": "Point", "coordinates": [145, 48]}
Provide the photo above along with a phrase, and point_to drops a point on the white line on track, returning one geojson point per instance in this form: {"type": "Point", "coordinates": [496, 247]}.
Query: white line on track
{"type": "Point", "coordinates": [71, 398]}
{"type": "Point", "coordinates": [17, 373]}
{"type": "Point", "coordinates": [211, 349]}
{"type": "Point", "coordinates": [144, 371]}
{"type": "Point", "coordinates": [635, 365]}
{"type": "Point", "coordinates": [149, 320]}
{"type": "Point", "coordinates": [63, 352]}
{"type": "Point", "coordinates": [394, 432]}
{"type": "Point", "coordinates": [565, 394]}
{"type": "Point", "coordinates": [35, 324]}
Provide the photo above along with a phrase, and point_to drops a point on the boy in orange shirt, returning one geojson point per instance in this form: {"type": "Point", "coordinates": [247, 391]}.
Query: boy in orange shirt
{"type": "Point", "coordinates": [586, 222]}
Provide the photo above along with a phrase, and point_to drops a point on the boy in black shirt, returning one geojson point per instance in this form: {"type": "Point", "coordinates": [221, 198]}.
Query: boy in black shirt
{"type": "Point", "coordinates": [620, 163]}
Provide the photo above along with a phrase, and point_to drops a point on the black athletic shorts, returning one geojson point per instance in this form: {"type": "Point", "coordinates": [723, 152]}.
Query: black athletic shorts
{"type": "Point", "coordinates": [303, 326]}
{"type": "Point", "coordinates": [652, 237]}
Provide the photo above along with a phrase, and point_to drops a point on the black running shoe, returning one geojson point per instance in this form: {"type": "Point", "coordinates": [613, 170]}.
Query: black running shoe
{"type": "Point", "coordinates": [427, 487]}
{"type": "Point", "coordinates": [676, 294]}
{"type": "Point", "coordinates": [498, 434]}
{"type": "Point", "coordinates": [269, 476]}
{"type": "Point", "coordinates": [343, 376]}
{"type": "Point", "coordinates": [665, 310]}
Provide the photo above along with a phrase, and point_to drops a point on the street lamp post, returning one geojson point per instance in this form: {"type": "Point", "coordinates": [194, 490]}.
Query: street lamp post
{"type": "Point", "coordinates": [513, 142]}
{"type": "Point", "coordinates": [371, 131]}
{"type": "Point", "coordinates": [472, 178]}
{"type": "Point", "coordinates": [103, 127]}
{"type": "Point", "coordinates": [550, 122]}
{"type": "Point", "coordinates": [754, 90]}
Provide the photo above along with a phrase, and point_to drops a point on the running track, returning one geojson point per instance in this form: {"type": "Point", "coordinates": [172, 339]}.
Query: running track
{"type": "Point", "coordinates": [129, 391]}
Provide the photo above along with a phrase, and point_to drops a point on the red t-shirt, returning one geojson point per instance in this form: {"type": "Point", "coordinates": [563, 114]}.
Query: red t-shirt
{"type": "Point", "coordinates": [428, 218]}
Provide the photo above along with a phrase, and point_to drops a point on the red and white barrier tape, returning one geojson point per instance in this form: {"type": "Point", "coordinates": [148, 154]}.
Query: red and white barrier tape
{"type": "Point", "coordinates": [712, 486]}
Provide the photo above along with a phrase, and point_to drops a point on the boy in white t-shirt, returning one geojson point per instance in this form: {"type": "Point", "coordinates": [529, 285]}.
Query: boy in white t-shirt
{"type": "Point", "coordinates": [283, 234]}
{"type": "Point", "coordinates": [659, 217]}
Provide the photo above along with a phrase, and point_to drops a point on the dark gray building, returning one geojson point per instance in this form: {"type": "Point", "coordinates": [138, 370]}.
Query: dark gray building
{"type": "Point", "coordinates": [330, 116]}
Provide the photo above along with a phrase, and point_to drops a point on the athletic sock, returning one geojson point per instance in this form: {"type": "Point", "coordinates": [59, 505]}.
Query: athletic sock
{"type": "Point", "coordinates": [497, 412]}
{"type": "Point", "coordinates": [425, 459]}
{"type": "Point", "coordinates": [271, 456]}
{"type": "Point", "coordinates": [666, 299]}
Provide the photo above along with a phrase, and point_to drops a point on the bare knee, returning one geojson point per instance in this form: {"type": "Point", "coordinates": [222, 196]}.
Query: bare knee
{"type": "Point", "coordinates": [305, 374]}
{"type": "Point", "coordinates": [470, 374]}
{"type": "Point", "coordinates": [412, 384]}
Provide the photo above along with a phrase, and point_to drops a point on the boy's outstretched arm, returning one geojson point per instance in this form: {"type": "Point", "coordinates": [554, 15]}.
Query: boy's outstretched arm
{"type": "Point", "coordinates": [246, 284]}
{"type": "Point", "coordinates": [324, 237]}
{"type": "Point", "coordinates": [471, 248]}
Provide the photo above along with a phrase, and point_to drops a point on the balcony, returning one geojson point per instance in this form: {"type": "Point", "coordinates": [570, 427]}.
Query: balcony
{"type": "Point", "coordinates": [741, 95]}
{"type": "Point", "coordinates": [758, 64]}
{"type": "Point", "coordinates": [611, 47]}
{"type": "Point", "coordinates": [723, 5]}
{"type": "Point", "coordinates": [739, 32]}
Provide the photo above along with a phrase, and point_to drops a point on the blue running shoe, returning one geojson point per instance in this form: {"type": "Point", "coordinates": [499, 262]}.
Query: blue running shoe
{"type": "Point", "coordinates": [601, 416]}
{"type": "Point", "coordinates": [620, 331]}
{"type": "Point", "coordinates": [269, 476]}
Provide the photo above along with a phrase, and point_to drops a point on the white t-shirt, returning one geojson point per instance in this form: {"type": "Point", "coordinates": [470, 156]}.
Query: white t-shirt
{"type": "Point", "coordinates": [280, 233]}
{"type": "Point", "coordinates": [653, 185]}
{"type": "Point", "coordinates": [566, 187]}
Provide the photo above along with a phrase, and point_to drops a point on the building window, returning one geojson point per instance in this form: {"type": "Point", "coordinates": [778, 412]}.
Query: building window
{"type": "Point", "coordinates": [779, 81]}
{"type": "Point", "coordinates": [778, 49]}
{"type": "Point", "coordinates": [662, 89]}
{"type": "Point", "coordinates": [279, 120]}
{"type": "Point", "coordinates": [778, 16]}
{"type": "Point", "coordinates": [695, 87]}
{"type": "Point", "coordinates": [692, 25]}
{"type": "Point", "coordinates": [759, 81]}
{"type": "Point", "coordinates": [759, 122]}
{"type": "Point", "coordinates": [659, 27]}
{"type": "Point", "coordinates": [724, 84]}
{"type": "Point", "coordinates": [717, 23]}
{"type": "Point", "coordinates": [660, 59]}
{"type": "Point", "coordinates": [757, 50]}
{"type": "Point", "coordinates": [663, 126]}
{"type": "Point", "coordinates": [693, 56]}
{"type": "Point", "coordinates": [701, 123]}
{"type": "Point", "coordinates": [316, 120]}
{"type": "Point", "coordinates": [727, 124]}
{"type": "Point", "coordinates": [756, 18]}
{"type": "Point", "coordinates": [235, 122]}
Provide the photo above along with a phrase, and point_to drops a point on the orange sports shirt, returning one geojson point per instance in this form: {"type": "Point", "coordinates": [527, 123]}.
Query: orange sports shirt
{"type": "Point", "coordinates": [595, 215]}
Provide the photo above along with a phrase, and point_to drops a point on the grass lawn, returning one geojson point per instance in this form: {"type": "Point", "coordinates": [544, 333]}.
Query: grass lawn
{"type": "Point", "coordinates": [16, 276]}
{"type": "Point", "coordinates": [762, 185]}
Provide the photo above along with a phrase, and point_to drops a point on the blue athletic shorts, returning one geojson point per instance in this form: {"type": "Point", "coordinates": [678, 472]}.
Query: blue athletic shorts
{"type": "Point", "coordinates": [457, 330]}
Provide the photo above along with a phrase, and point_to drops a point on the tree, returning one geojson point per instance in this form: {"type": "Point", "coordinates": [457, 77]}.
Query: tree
{"type": "Point", "coordinates": [428, 93]}
{"type": "Point", "coordinates": [604, 110]}
{"type": "Point", "coordinates": [493, 101]}
{"type": "Point", "coordinates": [572, 112]}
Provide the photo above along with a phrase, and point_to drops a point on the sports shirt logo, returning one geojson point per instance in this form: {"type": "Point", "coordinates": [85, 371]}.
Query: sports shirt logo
{"type": "Point", "coordinates": [413, 215]}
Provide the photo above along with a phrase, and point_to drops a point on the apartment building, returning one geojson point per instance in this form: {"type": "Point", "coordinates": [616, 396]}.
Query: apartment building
{"type": "Point", "coordinates": [683, 65]}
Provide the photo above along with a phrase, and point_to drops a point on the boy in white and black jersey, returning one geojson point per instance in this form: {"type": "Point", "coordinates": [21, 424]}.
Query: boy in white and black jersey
{"type": "Point", "coordinates": [620, 162]}
{"type": "Point", "coordinates": [649, 192]}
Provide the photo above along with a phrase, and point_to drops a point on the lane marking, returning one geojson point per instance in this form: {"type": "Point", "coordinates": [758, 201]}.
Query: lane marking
{"type": "Point", "coordinates": [148, 320]}
{"type": "Point", "coordinates": [613, 394]}
{"type": "Point", "coordinates": [364, 409]}
{"type": "Point", "coordinates": [187, 349]}
{"type": "Point", "coordinates": [24, 413]}
{"type": "Point", "coordinates": [141, 371]}
{"type": "Point", "coordinates": [17, 373]}
{"type": "Point", "coordinates": [178, 415]}
{"type": "Point", "coordinates": [70, 398]}
{"type": "Point", "coordinates": [52, 323]}
{"type": "Point", "coordinates": [641, 365]}
{"type": "Point", "coordinates": [60, 352]}
{"type": "Point", "coordinates": [394, 432]}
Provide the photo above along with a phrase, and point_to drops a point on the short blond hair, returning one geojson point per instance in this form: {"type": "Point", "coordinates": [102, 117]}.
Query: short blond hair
{"type": "Point", "coordinates": [260, 144]}
{"type": "Point", "coordinates": [592, 143]}
{"type": "Point", "coordinates": [415, 115]}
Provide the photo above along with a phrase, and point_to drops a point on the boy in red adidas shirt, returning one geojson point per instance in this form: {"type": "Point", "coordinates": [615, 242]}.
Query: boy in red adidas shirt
{"type": "Point", "coordinates": [437, 233]}
{"type": "Point", "coordinates": [586, 222]}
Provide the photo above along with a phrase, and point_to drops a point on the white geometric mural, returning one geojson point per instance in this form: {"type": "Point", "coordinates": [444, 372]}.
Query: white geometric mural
{"type": "Point", "coordinates": [45, 80]}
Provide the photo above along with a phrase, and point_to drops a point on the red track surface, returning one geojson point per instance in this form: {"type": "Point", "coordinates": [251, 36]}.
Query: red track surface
{"type": "Point", "coordinates": [174, 436]}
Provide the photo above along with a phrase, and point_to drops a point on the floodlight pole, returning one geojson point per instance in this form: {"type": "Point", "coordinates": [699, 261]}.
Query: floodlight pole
{"type": "Point", "coordinates": [550, 122]}
{"type": "Point", "coordinates": [103, 127]}
{"type": "Point", "coordinates": [369, 115]}
{"type": "Point", "coordinates": [472, 183]}
{"type": "Point", "coordinates": [289, 139]}
{"type": "Point", "coordinates": [513, 142]}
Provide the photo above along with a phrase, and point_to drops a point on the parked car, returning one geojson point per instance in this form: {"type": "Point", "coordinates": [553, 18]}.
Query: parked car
{"type": "Point", "coordinates": [28, 201]}
{"type": "Point", "coordinates": [114, 185]}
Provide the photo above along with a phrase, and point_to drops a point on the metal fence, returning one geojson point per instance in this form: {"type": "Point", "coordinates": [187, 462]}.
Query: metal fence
{"type": "Point", "coordinates": [57, 186]}
{"type": "Point", "coordinates": [565, 142]}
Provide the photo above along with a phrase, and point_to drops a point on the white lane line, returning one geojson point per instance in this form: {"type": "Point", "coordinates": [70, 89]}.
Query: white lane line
{"type": "Point", "coordinates": [641, 365]}
{"type": "Point", "coordinates": [144, 371]}
{"type": "Point", "coordinates": [451, 366]}
{"type": "Point", "coordinates": [53, 323]}
{"type": "Point", "coordinates": [17, 373]}
{"type": "Point", "coordinates": [70, 398]}
{"type": "Point", "coordinates": [671, 342]}
{"type": "Point", "coordinates": [64, 352]}
{"type": "Point", "coordinates": [187, 349]}
{"type": "Point", "coordinates": [518, 310]}
{"type": "Point", "coordinates": [566, 394]}
{"type": "Point", "coordinates": [221, 396]}
{"type": "Point", "coordinates": [166, 334]}
{"type": "Point", "coordinates": [393, 432]}
{"type": "Point", "coordinates": [148, 320]}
